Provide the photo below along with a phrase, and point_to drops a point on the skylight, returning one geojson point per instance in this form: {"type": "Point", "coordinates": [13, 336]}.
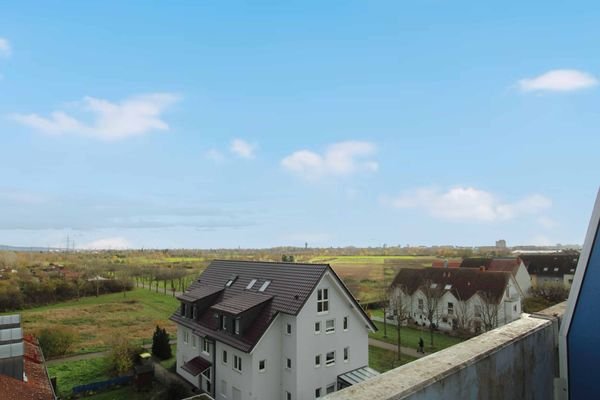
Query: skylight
{"type": "Point", "coordinates": [231, 280]}
{"type": "Point", "coordinates": [433, 285]}
{"type": "Point", "coordinates": [448, 287]}
{"type": "Point", "coordinates": [264, 286]}
{"type": "Point", "coordinates": [252, 282]}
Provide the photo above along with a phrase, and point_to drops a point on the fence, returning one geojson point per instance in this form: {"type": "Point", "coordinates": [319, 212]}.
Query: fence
{"type": "Point", "coordinates": [96, 386]}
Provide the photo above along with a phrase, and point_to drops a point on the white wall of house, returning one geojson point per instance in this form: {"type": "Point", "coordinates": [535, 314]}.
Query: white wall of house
{"type": "Point", "coordinates": [509, 307]}
{"type": "Point", "coordinates": [186, 351]}
{"type": "Point", "coordinates": [523, 279]}
{"type": "Point", "coordinates": [310, 344]}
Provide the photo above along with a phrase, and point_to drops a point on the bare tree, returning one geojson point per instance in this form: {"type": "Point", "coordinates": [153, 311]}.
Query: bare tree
{"type": "Point", "coordinates": [489, 310]}
{"type": "Point", "coordinates": [402, 312]}
{"type": "Point", "coordinates": [463, 314]}
{"type": "Point", "coordinates": [433, 293]}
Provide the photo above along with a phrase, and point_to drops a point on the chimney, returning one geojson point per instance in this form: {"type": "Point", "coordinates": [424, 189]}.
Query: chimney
{"type": "Point", "coordinates": [482, 268]}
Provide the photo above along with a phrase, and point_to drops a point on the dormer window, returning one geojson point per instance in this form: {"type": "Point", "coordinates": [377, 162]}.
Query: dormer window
{"type": "Point", "coordinates": [433, 285]}
{"type": "Point", "coordinates": [264, 286]}
{"type": "Point", "coordinates": [231, 280]}
{"type": "Point", "coordinates": [224, 322]}
{"type": "Point", "coordinates": [236, 326]}
{"type": "Point", "coordinates": [448, 287]}
{"type": "Point", "coordinates": [252, 282]}
{"type": "Point", "coordinates": [183, 309]}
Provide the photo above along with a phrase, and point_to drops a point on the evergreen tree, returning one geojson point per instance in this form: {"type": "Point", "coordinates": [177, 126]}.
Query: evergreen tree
{"type": "Point", "coordinates": [161, 347]}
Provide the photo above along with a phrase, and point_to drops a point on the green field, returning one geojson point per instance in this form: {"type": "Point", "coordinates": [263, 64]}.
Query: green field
{"type": "Point", "coordinates": [410, 337]}
{"type": "Point", "coordinates": [98, 320]}
{"type": "Point", "coordinates": [383, 360]}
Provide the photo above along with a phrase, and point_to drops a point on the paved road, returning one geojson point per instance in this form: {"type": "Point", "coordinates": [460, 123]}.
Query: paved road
{"type": "Point", "coordinates": [391, 347]}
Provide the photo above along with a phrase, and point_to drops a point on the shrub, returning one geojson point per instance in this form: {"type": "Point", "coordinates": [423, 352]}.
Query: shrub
{"type": "Point", "coordinates": [161, 347]}
{"type": "Point", "coordinates": [123, 356]}
{"type": "Point", "coordinates": [56, 341]}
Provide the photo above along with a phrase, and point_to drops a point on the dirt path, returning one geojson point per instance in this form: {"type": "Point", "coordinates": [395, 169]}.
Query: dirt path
{"type": "Point", "coordinates": [391, 347]}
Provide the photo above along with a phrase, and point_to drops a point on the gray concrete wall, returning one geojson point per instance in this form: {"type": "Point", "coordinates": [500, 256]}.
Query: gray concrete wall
{"type": "Point", "coordinates": [516, 361]}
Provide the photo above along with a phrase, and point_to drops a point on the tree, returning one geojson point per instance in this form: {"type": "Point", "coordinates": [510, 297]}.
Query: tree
{"type": "Point", "coordinates": [463, 315]}
{"type": "Point", "coordinates": [433, 293]}
{"type": "Point", "coordinates": [402, 312]}
{"type": "Point", "coordinates": [161, 347]}
{"type": "Point", "coordinates": [56, 341]}
{"type": "Point", "coordinates": [123, 356]}
{"type": "Point", "coordinates": [489, 310]}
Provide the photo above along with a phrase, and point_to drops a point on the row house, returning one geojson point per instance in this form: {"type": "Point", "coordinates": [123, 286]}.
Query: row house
{"type": "Point", "coordinates": [554, 268]}
{"type": "Point", "coordinates": [270, 331]}
{"type": "Point", "coordinates": [457, 298]}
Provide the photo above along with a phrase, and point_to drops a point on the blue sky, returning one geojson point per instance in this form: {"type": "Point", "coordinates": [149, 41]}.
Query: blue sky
{"type": "Point", "coordinates": [258, 124]}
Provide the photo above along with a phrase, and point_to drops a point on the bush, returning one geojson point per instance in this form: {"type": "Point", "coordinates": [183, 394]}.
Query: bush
{"type": "Point", "coordinates": [56, 341]}
{"type": "Point", "coordinates": [553, 292]}
{"type": "Point", "coordinates": [161, 347]}
{"type": "Point", "coordinates": [123, 356]}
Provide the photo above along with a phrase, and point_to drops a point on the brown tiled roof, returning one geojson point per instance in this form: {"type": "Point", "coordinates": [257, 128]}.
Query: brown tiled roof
{"type": "Point", "coordinates": [198, 293]}
{"type": "Point", "coordinates": [196, 366]}
{"type": "Point", "coordinates": [475, 262]}
{"type": "Point", "coordinates": [242, 302]}
{"type": "Point", "coordinates": [37, 386]}
{"type": "Point", "coordinates": [550, 264]}
{"type": "Point", "coordinates": [505, 265]}
{"type": "Point", "coordinates": [464, 282]}
{"type": "Point", "coordinates": [291, 285]}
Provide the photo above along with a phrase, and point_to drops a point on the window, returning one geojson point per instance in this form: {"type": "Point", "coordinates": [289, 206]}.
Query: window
{"type": "Point", "coordinates": [183, 309]}
{"type": "Point", "coordinates": [208, 381]}
{"type": "Point", "coordinates": [322, 300]}
{"type": "Point", "coordinates": [317, 327]}
{"type": "Point", "coordinates": [224, 357]}
{"type": "Point", "coordinates": [288, 363]}
{"type": "Point", "coordinates": [330, 326]}
{"type": "Point", "coordinates": [447, 287]}
{"type": "Point", "coordinates": [223, 388]}
{"type": "Point", "coordinates": [195, 312]}
{"type": "Point", "coordinates": [477, 311]}
{"type": "Point", "coordinates": [346, 353]}
{"type": "Point", "coordinates": [193, 340]}
{"type": "Point", "coordinates": [186, 336]}
{"type": "Point", "coordinates": [433, 285]}
{"type": "Point", "coordinates": [318, 360]}
{"type": "Point", "coordinates": [330, 388]}
{"type": "Point", "coordinates": [330, 358]}
{"type": "Point", "coordinates": [206, 346]}
{"type": "Point", "coordinates": [252, 282]}
{"type": "Point", "coordinates": [515, 308]}
{"type": "Point", "coordinates": [288, 329]}
{"type": "Point", "coordinates": [421, 304]}
{"type": "Point", "coordinates": [545, 268]}
{"type": "Point", "coordinates": [236, 326]}
{"type": "Point", "coordinates": [317, 393]}
{"type": "Point", "coordinates": [288, 396]}
{"type": "Point", "coordinates": [346, 323]}
{"type": "Point", "coordinates": [262, 365]}
{"type": "Point", "coordinates": [555, 269]}
{"type": "Point", "coordinates": [450, 308]}
{"type": "Point", "coordinates": [224, 322]}
{"type": "Point", "coordinates": [231, 280]}
{"type": "Point", "coordinates": [264, 286]}
{"type": "Point", "coordinates": [237, 363]}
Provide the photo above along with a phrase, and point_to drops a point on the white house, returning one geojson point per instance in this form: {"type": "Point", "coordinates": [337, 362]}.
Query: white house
{"type": "Point", "coordinates": [456, 298]}
{"type": "Point", "coordinates": [261, 331]}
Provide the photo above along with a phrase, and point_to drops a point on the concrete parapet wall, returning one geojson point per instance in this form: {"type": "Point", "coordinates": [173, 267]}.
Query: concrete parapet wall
{"type": "Point", "coordinates": [516, 361]}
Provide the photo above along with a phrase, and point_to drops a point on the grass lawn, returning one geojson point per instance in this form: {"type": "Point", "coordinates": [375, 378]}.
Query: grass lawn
{"type": "Point", "coordinates": [410, 337]}
{"type": "Point", "coordinates": [75, 373]}
{"type": "Point", "coordinates": [100, 319]}
{"type": "Point", "coordinates": [383, 360]}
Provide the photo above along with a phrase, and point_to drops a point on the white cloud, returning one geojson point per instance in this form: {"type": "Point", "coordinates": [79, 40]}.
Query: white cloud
{"type": "Point", "coordinates": [243, 149]}
{"type": "Point", "coordinates": [468, 204]}
{"type": "Point", "coordinates": [340, 159]}
{"type": "Point", "coordinates": [113, 243]}
{"type": "Point", "coordinates": [559, 80]}
{"type": "Point", "coordinates": [5, 49]}
{"type": "Point", "coordinates": [110, 121]}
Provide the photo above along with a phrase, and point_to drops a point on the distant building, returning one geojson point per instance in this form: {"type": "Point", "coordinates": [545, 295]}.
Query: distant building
{"type": "Point", "coordinates": [270, 331]}
{"type": "Point", "coordinates": [551, 268]}
{"type": "Point", "coordinates": [446, 263]}
{"type": "Point", "coordinates": [501, 244]}
{"type": "Point", "coordinates": [23, 374]}
{"type": "Point", "coordinates": [459, 298]}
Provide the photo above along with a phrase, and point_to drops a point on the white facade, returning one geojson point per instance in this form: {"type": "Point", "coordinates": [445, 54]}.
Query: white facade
{"type": "Point", "coordinates": [453, 313]}
{"type": "Point", "coordinates": [289, 359]}
{"type": "Point", "coordinates": [523, 279]}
